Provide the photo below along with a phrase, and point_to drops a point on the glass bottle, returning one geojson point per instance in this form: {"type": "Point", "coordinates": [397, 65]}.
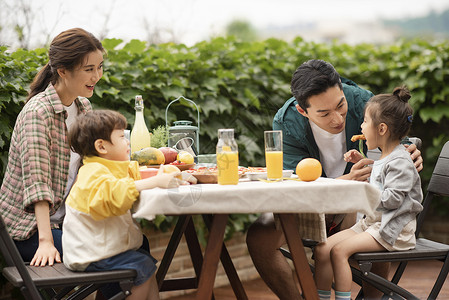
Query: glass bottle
{"type": "Point", "coordinates": [140, 136]}
{"type": "Point", "coordinates": [227, 157]}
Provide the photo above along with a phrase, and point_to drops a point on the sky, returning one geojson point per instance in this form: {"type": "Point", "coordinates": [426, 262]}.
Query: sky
{"type": "Point", "coordinates": [190, 21]}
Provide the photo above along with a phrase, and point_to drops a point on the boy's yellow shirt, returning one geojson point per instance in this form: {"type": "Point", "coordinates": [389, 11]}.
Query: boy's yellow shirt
{"type": "Point", "coordinates": [104, 188]}
{"type": "Point", "coordinates": [98, 222]}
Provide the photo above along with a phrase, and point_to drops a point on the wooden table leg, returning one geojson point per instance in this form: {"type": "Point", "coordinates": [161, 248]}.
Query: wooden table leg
{"type": "Point", "coordinates": [305, 277]}
{"type": "Point", "coordinates": [211, 257]}
{"type": "Point", "coordinates": [194, 248]}
{"type": "Point", "coordinates": [171, 248]}
{"type": "Point", "coordinates": [229, 268]}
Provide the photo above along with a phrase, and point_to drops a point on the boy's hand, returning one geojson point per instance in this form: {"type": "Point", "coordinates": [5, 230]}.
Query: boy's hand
{"type": "Point", "coordinates": [353, 156]}
{"type": "Point", "coordinates": [167, 180]}
{"type": "Point", "coordinates": [161, 180]}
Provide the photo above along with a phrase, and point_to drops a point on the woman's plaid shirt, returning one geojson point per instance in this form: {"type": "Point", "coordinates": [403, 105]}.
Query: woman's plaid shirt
{"type": "Point", "coordinates": [38, 162]}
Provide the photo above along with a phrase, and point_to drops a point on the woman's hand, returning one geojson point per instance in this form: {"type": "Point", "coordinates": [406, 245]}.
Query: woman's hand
{"type": "Point", "coordinates": [416, 156]}
{"type": "Point", "coordinates": [46, 253]}
{"type": "Point", "coordinates": [353, 156]}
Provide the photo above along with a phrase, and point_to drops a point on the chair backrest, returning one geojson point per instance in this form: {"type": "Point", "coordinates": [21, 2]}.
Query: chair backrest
{"type": "Point", "coordinates": [13, 259]}
{"type": "Point", "coordinates": [438, 184]}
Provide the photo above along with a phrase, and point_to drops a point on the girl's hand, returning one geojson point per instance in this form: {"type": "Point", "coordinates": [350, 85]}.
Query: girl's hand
{"type": "Point", "coordinates": [46, 253]}
{"type": "Point", "coordinates": [353, 156]}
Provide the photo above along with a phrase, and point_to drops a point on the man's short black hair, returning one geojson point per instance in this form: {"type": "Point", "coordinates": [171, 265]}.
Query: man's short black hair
{"type": "Point", "coordinates": [312, 78]}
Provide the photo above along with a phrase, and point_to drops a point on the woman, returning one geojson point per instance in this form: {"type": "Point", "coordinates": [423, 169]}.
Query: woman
{"type": "Point", "coordinates": [41, 167]}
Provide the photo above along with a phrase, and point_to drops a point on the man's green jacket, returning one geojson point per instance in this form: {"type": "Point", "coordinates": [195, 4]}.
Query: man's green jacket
{"type": "Point", "coordinates": [298, 138]}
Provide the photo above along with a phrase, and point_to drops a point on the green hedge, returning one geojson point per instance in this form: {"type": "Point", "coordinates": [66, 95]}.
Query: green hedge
{"type": "Point", "coordinates": [242, 85]}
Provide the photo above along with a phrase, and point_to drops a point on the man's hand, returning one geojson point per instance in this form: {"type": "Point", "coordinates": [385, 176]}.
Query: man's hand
{"type": "Point", "coordinates": [416, 156]}
{"type": "Point", "coordinates": [360, 171]}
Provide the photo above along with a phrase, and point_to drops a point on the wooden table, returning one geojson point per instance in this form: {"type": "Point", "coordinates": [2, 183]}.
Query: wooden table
{"type": "Point", "coordinates": [215, 202]}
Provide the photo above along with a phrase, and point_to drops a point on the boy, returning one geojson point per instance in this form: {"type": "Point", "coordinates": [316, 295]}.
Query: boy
{"type": "Point", "coordinates": [99, 232]}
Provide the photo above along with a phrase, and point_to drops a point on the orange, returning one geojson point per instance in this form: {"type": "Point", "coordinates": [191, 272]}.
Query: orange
{"type": "Point", "coordinates": [308, 169]}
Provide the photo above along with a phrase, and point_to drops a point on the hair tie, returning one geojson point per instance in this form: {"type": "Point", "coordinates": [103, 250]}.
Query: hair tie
{"type": "Point", "coordinates": [410, 118]}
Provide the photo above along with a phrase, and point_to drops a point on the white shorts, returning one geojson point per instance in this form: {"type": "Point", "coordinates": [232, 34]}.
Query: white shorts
{"type": "Point", "coordinates": [406, 239]}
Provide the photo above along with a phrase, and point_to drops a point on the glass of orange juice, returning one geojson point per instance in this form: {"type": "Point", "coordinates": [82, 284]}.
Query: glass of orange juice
{"type": "Point", "coordinates": [273, 154]}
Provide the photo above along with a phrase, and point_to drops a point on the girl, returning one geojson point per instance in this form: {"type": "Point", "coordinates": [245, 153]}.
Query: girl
{"type": "Point", "coordinates": [41, 166]}
{"type": "Point", "coordinates": [387, 120]}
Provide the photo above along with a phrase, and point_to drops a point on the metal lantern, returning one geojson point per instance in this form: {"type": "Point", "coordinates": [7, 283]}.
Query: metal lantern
{"type": "Point", "coordinates": [183, 135]}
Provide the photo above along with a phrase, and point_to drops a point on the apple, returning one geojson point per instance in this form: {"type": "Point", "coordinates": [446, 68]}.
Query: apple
{"type": "Point", "coordinates": [169, 153]}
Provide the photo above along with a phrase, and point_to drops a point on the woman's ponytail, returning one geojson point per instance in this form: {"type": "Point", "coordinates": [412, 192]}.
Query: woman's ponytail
{"type": "Point", "coordinates": [41, 81]}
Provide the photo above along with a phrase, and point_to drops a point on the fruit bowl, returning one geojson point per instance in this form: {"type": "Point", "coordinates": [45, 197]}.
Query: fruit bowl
{"type": "Point", "coordinates": [181, 167]}
{"type": "Point", "coordinates": [206, 178]}
{"type": "Point", "coordinates": [148, 172]}
{"type": "Point", "coordinates": [205, 174]}
{"type": "Point", "coordinates": [184, 167]}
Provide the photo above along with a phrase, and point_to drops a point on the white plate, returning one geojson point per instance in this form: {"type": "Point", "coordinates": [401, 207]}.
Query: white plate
{"type": "Point", "coordinates": [263, 175]}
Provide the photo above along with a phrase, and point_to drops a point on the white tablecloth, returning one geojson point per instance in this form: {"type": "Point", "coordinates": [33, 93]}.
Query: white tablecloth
{"type": "Point", "coordinates": [321, 196]}
{"type": "Point", "coordinates": [311, 200]}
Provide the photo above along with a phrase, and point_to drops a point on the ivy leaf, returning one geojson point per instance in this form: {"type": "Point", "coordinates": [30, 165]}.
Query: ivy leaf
{"type": "Point", "coordinates": [135, 46]}
{"type": "Point", "coordinates": [128, 95]}
{"type": "Point", "coordinates": [172, 91]}
{"type": "Point", "coordinates": [434, 113]}
{"type": "Point", "coordinates": [211, 83]}
{"type": "Point", "coordinates": [111, 91]}
{"type": "Point", "coordinates": [110, 44]}
{"type": "Point", "coordinates": [158, 220]}
{"type": "Point", "coordinates": [253, 99]}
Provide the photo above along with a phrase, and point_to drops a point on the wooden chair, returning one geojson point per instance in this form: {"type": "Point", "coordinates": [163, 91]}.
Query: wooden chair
{"type": "Point", "coordinates": [41, 282]}
{"type": "Point", "coordinates": [425, 249]}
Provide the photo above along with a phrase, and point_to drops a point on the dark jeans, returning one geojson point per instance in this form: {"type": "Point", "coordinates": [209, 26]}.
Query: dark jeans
{"type": "Point", "coordinates": [28, 248]}
{"type": "Point", "coordinates": [111, 289]}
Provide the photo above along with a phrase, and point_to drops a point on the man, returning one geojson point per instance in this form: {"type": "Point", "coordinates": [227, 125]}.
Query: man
{"type": "Point", "coordinates": [319, 121]}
